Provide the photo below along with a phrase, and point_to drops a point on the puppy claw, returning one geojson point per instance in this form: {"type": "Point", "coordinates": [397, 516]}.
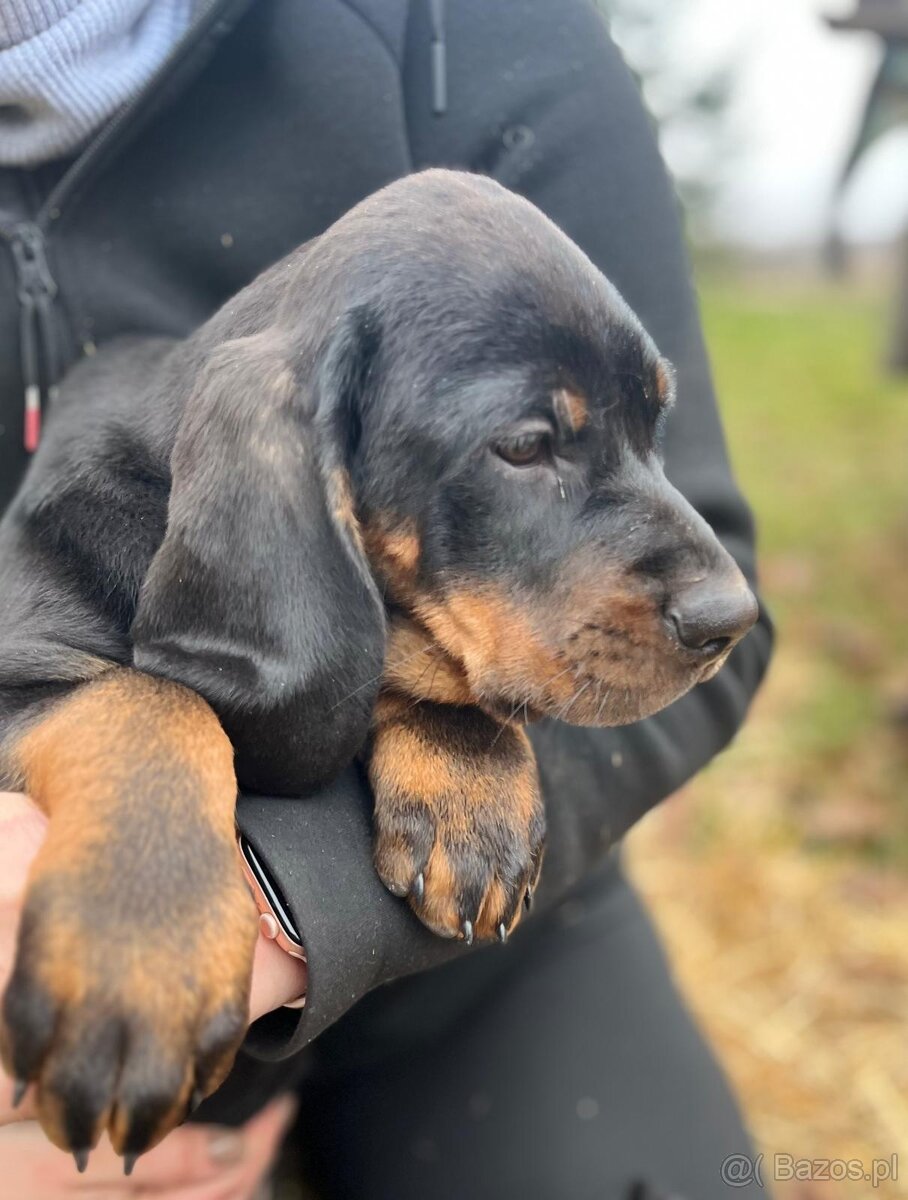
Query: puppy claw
{"type": "Point", "coordinates": [19, 1090]}
{"type": "Point", "coordinates": [195, 1099]}
{"type": "Point", "coordinates": [81, 1159]}
{"type": "Point", "coordinates": [528, 901]}
{"type": "Point", "coordinates": [468, 932]}
{"type": "Point", "coordinates": [129, 1162]}
{"type": "Point", "coordinates": [502, 933]}
{"type": "Point", "coordinates": [418, 890]}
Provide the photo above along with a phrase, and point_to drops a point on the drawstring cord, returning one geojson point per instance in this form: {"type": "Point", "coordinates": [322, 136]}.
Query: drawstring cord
{"type": "Point", "coordinates": [439, 58]}
{"type": "Point", "coordinates": [37, 329]}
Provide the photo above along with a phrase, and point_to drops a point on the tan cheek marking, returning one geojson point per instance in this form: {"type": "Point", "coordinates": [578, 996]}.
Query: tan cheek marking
{"type": "Point", "coordinates": [604, 634]}
{"type": "Point", "coordinates": [491, 635]}
{"type": "Point", "coordinates": [416, 665]}
{"type": "Point", "coordinates": [614, 608]}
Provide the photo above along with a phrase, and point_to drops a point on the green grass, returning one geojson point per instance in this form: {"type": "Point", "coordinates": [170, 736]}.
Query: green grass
{"type": "Point", "coordinates": [819, 439]}
{"type": "Point", "coordinates": [819, 436]}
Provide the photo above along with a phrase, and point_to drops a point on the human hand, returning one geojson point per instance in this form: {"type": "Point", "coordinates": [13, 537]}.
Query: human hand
{"type": "Point", "coordinates": [194, 1162]}
{"type": "Point", "coordinates": [277, 977]}
{"type": "Point", "coordinates": [22, 828]}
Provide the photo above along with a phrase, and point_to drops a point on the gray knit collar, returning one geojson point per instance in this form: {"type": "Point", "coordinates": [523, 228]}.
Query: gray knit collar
{"type": "Point", "coordinates": [24, 19]}
{"type": "Point", "coordinates": [67, 65]}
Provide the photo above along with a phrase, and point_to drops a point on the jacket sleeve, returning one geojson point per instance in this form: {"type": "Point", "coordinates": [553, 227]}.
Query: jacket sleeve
{"type": "Point", "coordinates": [539, 98]}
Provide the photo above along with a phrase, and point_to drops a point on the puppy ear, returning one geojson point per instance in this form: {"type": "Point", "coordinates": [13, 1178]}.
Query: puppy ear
{"type": "Point", "coordinates": [260, 597]}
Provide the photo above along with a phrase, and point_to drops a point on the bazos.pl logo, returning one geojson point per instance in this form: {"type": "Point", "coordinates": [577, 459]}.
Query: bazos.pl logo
{"type": "Point", "coordinates": [740, 1170]}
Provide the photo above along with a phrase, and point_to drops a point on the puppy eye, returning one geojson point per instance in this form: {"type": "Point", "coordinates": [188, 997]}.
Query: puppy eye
{"type": "Point", "coordinates": [526, 449]}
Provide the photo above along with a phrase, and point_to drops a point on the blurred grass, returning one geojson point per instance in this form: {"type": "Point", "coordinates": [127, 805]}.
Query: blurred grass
{"type": "Point", "coordinates": [820, 443]}
{"type": "Point", "coordinates": [780, 876]}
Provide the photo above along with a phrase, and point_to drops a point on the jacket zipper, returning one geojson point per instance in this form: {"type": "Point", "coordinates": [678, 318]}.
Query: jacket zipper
{"type": "Point", "coordinates": [37, 290]}
{"type": "Point", "coordinates": [36, 287]}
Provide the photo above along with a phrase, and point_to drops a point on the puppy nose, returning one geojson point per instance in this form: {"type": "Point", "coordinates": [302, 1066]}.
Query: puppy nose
{"type": "Point", "coordinates": [710, 617]}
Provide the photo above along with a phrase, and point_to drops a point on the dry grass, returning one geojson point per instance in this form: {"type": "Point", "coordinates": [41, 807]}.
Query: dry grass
{"type": "Point", "coordinates": [798, 967]}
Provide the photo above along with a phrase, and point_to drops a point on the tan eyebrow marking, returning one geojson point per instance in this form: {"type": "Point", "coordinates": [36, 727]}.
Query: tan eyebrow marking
{"type": "Point", "coordinates": [571, 409]}
{"type": "Point", "coordinates": [665, 383]}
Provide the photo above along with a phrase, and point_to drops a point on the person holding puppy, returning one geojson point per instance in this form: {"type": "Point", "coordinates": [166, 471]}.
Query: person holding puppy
{"type": "Point", "coordinates": [226, 135]}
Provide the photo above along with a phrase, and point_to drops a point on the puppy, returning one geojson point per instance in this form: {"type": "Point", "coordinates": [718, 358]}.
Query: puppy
{"type": "Point", "coordinates": [420, 454]}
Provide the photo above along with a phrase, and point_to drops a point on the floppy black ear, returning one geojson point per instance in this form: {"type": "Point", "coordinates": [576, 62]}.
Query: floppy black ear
{"type": "Point", "coordinates": [259, 597]}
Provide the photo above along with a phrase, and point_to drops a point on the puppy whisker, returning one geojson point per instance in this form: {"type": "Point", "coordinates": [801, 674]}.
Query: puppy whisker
{"type": "Point", "coordinates": [504, 724]}
{"type": "Point", "coordinates": [375, 678]}
{"type": "Point", "coordinates": [602, 703]}
{"type": "Point", "coordinates": [585, 688]}
{"type": "Point", "coordinates": [419, 699]}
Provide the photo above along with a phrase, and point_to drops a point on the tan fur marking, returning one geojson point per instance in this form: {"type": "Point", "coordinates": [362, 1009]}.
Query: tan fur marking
{"type": "Point", "coordinates": [393, 549]}
{"type": "Point", "coordinates": [416, 766]}
{"type": "Point", "coordinates": [417, 666]}
{"type": "Point", "coordinates": [343, 506]}
{"type": "Point", "coordinates": [591, 652]}
{"type": "Point", "coordinates": [486, 628]}
{"type": "Point", "coordinates": [493, 911]}
{"type": "Point", "coordinates": [665, 381]}
{"type": "Point", "coordinates": [573, 407]}
{"type": "Point", "coordinates": [128, 768]}
{"type": "Point", "coordinates": [441, 889]}
{"type": "Point", "coordinates": [74, 760]}
{"type": "Point", "coordinates": [464, 791]}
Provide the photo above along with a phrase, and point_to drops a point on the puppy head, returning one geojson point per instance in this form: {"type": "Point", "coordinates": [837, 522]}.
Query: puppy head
{"type": "Point", "coordinates": [508, 472]}
{"type": "Point", "coordinates": [439, 404]}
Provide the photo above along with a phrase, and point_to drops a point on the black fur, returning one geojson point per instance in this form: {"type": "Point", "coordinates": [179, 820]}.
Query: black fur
{"type": "Point", "coordinates": [185, 513]}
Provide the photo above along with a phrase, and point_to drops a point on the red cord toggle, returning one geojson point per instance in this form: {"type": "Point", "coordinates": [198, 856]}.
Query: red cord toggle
{"type": "Point", "coordinates": [32, 418]}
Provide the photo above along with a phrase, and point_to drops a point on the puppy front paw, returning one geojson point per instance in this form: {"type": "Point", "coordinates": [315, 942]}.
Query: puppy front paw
{"type": "Point", "coordinates": [129, 994]}
{"type": "Point", "coordinates": [459, 821]}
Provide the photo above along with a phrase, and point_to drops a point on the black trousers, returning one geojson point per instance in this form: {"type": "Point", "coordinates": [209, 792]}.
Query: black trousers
{"type": "Point", "coordinates": [563, 1066]}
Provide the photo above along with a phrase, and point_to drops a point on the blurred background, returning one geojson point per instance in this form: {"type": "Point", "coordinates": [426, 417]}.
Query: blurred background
{"type": "Point", "coordinates": [780, 878]}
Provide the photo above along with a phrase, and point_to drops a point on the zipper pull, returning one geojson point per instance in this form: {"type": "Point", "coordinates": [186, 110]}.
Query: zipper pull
{"type": "Point", "coordinates": [36, 291]}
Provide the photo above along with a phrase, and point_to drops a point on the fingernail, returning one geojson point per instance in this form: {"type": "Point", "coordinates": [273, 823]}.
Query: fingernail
{"type": "Point", "coordinates": [225, 1147]}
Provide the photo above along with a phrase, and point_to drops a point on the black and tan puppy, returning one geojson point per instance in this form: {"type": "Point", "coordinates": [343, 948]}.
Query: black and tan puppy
{"type": "Point", "coordinates": [423, 448]}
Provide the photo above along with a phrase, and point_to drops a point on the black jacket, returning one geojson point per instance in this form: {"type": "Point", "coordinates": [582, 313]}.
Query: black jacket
{"type": "Point", "coordinates": [269, 122]}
